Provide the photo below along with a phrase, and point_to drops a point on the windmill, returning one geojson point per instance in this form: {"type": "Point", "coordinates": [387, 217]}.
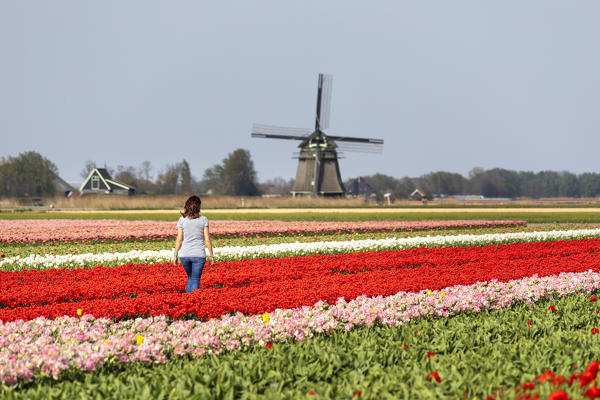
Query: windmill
{"type": "Point", "coordinates": [318, 170]}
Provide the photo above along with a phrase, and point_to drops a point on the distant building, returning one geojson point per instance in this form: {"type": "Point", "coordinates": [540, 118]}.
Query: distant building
{"type": "Point", "coordinates": [417, 194]}
{"type": "Point", "coordinates": [61, 186]}
{"type": "Point", "coordinates": [360, 187]}
{"type": "Point", "coordinates": [99, 181]}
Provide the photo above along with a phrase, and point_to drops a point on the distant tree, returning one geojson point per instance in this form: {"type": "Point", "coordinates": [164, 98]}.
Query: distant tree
{"type": "Point", "coordinates": [127, 175]}
{"type": "Point", "coordinates": [405, 187]}
{"type": "Point", "coordinates": [381, 183]}
{"type": "Point", "coordinates": [443, 183]}
{"type": "Point", "coordinates": [145, 171]}
{"type": "Point", "coordinates": [549, 183]}
{"type": "Point", "coordinates": [568, 185]}
{"type": "Point", "coordinates": [27, 175]}
{"type": "Point", "coordinates": [277, 186]}
{"type": "Point", "coordinates": [213, 179]}
{"type": "Point", "coordinates": [589, 184]}
{"type": "Point", "coordinates": [186, 177]}
{"type": "Point", "coordinates": [239, 174]}
{"type": "Point", "coordinates": [236, 176]}
{"type": "Point", "coordinates": [87, 168]}
{"type": "Point", "coordinates": [168, 181]}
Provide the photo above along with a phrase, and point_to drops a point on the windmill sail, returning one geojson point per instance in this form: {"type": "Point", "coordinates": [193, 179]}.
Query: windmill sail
{"type": "Point", "coordinates": [324, 112]}
{"type": "Point", "coordinates": [279, 132]}
{"type": "Point", "coordinates": [360, 147]}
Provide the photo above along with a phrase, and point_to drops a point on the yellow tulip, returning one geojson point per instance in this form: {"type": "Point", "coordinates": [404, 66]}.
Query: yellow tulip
{"type": "Point", "coordinates": [140, 339]}
{"type": "Point", "coordinates": [266, 317]}
{"type": "Point", "coordinates": [79, 311]}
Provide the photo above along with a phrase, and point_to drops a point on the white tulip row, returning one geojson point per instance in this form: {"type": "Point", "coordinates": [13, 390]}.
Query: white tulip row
{"type": "Point", "coordinates": [49, 261]}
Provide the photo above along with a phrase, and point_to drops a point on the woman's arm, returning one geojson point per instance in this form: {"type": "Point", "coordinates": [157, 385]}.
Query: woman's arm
{"type": "Point", "coordinates": [178, 244]}
{"type": "Point", "coordinates": [209, 245]}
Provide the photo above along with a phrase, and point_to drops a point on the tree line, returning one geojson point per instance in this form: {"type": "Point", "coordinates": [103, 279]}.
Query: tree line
{"type": "Point", "coordinates": [31, 175]}
{"type": "Point", "coordinates": [496, 182]}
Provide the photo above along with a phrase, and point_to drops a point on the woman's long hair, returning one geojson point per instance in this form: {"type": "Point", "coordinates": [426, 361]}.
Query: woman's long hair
{"type": "Point", "coordinates": [192, 207]}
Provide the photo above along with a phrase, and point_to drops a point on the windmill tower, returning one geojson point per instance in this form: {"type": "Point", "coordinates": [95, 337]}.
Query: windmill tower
{"type": "Point", "coordinates": [318, 170]}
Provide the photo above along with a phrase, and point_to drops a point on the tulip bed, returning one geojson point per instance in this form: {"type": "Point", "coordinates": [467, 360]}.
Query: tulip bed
{"type": "Point", "coordinates": [50, 261]}
{"type": "Point", "coordinates": [31, 230]}
{"type": "Point", "coordinates": [450, 316]}
{"type": "Point", "coordinates": [262, 285]}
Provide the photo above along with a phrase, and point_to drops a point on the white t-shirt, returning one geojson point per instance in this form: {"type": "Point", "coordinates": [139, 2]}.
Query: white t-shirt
{"type": "Point", "coordinates": [193, 236]}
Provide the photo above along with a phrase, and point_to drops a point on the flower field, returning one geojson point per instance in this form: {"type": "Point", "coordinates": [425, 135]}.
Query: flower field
{"type": "Point", "coordinates": [483, 315]}
{"type": "Point", "coordinates": [32, 230]}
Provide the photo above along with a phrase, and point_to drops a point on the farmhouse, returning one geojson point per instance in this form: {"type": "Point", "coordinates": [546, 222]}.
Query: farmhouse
{"type": "Point", "coordinates": [99, 181]}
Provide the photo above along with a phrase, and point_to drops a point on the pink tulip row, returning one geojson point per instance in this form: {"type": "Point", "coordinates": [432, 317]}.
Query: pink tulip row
{"type": "Point", "coordinates": [46, 346]}
{"type": "Point", "coordinates": [28, 231]}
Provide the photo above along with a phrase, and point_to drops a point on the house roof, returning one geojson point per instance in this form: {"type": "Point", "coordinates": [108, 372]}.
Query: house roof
{"type": "Point", "coordinates": [106, 179]}
{"type": "Point", "coordinates": [60, 185]}
{"type": "Point", "coordinates": [104, 173]}
{"type": "Point", "coordinates": [419, 192]}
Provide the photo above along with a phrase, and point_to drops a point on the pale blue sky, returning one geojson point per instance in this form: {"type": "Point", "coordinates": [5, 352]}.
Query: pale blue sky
{"type": "Point", "coordinates": [449, 85]}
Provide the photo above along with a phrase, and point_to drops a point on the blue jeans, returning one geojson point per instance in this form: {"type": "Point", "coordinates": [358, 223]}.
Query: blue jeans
{"type": "Point", "coordinates": [193, 267]}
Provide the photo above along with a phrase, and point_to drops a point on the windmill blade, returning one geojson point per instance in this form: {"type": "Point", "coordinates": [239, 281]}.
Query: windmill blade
{"type": "Point", "coordinates": [326, 83]}
{"type": "Point", "coordinates": [353, 147]}
{"type": "Point", "coordinates": [355, 139]}
{"type": "Point", "coordinates": [279, 132]}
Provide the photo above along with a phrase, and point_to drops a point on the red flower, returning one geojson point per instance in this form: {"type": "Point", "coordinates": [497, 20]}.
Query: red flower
{"type": "Point", "coordinates": [551, 309]}
{"type": "Point", "coordinates": [546, 376]}
{"type": "Point", "coordinates": [529, 323]}
{"type": "Point", "coordinates": [357, 393]}
{"type": "Point", "coordinates": [312, 392]}
{"type": "Point", "coordinates": [592, 367]}
{"type": "Point", "coordinates": [593, 298]}
{"type": "Point", "coordinates": [269, 345]}
{"type": "Point", "coordinates": [434, 375]}
{"type": "Point", "coordinates": [592, 392]}
{"type": "Point", "coordinates": [559, 380]}
{"type": "Point", "coordinates": [528, 386]}
{"type": "Point", "coordinates": [594, 331]}
{"type": "Point", "coordinates": [430, 354]}
{"type": "Point", "coordinates": [404, 347]}
{"type": "Point", "coordinates": [2, 256]}
{"type": "Point", "coordinates": [586, 378]}
{"type": "Point", "coordinates": [573, 378]}
{"type": "Point", "coordinates": [558, 395]}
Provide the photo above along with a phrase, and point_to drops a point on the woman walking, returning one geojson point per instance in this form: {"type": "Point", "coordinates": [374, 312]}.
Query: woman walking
{"type": "Point", "coordinates": [192, 238]}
